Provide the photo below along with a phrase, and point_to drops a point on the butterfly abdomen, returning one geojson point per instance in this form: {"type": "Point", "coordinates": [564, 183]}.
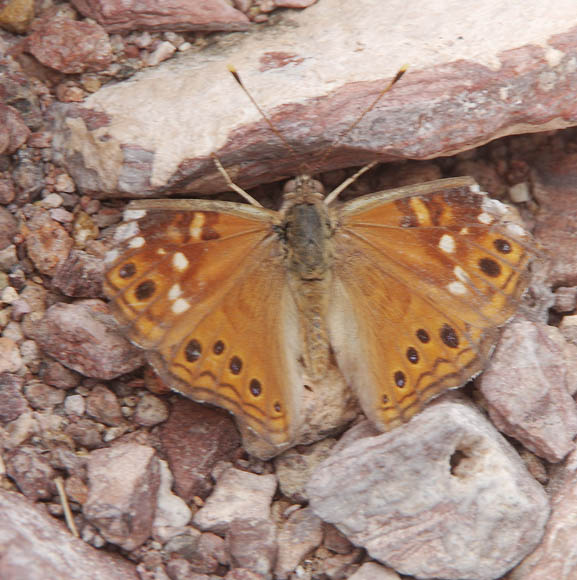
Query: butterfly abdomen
{"type": "Point", "coordinates": [307, 233]}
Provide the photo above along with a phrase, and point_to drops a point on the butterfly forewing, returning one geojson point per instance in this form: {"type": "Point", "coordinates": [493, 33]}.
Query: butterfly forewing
{"type": "Point", "coordinates": [202, 286]}
{"type": "Point", "coordinates": [425, 276]}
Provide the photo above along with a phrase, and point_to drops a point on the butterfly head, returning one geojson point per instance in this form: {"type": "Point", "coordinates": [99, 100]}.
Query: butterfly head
{"type": "Point", "coordinates": [303, 189]}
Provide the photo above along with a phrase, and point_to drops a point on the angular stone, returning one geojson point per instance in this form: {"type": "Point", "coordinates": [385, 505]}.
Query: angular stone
{"type": "Point", "coordinates": [556, 556]}
{"type": "Point", "coordinates": [123, 488]}
{"type": "Point", "coordinates": [171, 510]}
{"type": "Point", "coordinates": [252, 545]}
{"type": "Point", "coordinates": [444, 496]}
{"type": "Point", "coordinates": [80, 276]}
{"type": "Point", "coordinates": [238, 494]}
{"type": "Point", "coordinates": [12, 402]}
{"type": "Point", "coordinates": [195, 438]}
{"type": "Point", "coordinates": [528, 391]}
{"type": "Point", "coordinates": [32, 472]}
{"type": "Point", "coordinates": [85, 337]}
{"type": "Point", "coordinates": [47, 242]}
{"type": "Point", "coordinates": [70, 46]}
{"type": "Point", "coordinates": [374, 571]}
{"type": "Point", "coordinates": [35, 545]}
{"type": "Point", "coordinates": [121, 16]}
{"type": "Point", "coordinates": [13, 131]}
{"type": "Point", "coordinates": [103, 405]}
{"type": "Point", "coordinates": [294, 467]}
{"type": "Point", "coordinates": [299, 536]}
{"type": "Point", "coordinates": [285, 68]}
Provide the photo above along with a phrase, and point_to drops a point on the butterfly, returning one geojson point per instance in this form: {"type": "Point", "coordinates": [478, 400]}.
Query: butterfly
{"type": "Point", "coordinates": [405, 289]}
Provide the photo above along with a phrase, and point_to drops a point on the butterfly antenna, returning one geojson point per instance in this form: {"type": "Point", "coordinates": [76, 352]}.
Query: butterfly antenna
{"type": "Point", "coordinates": [232, 184]}
{"type": "Point", "coordinates": [237, 78]}
{"type": "Point", "coordinates": [340, 138]}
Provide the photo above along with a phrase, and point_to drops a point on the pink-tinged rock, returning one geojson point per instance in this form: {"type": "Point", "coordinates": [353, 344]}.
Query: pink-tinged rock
{"type": "Point", "coordinates": [103, 405]}
{"type": "Point", "coordinates": [43, 397]}
{"type": "Point", "coordinates": [252, 545]}
{"type": "Point", "coordinates": [241, 574]}
{"type": "Point", "coordinates": [32, 472]}
{"type": "Point", "coordinates": [80, 275]}
{"type": "Point", "coordinates": [10, 359]}
{"type": "Point", "coordinates": [565, 298]}
{"type": "Point", "coordinates": [13, 130]}
{"type": "Point", "coordinates": [208, 554]}
{"type": "Point", "coordinates": [299, 536]}
{"type": "Point", "coordinates": [556, 221]}
{"type": "Point", "coordinates": [47, 242]}
{"type": "Point", "coordinates": [174, 15]}
{"type": "Point", "coordinates": [37, 546]}
{"type": "Point", "coordinates": [123, 488]}
{"type": "Point", "coordinates": [556, 556]}
{"type": "Point", "coordinates": [238, 494]}
{"type": "Point", "coordinates": [294, 467]}
{"type": "Point", "coordinates": [57, 375]}
{"type": "Point", "coordinates": [498, 77]}
{"type": "Point", "coordinates": [12, 402]}
{"type": "Point", "coordinates": [445, 496]}
{"type": "Point", "coordinates": [528, 389]}
{"type": "Point", "coordinates": [70, 46]}
{"type": "Point", "coordinates": [84, 337]}
{"type": "Point", "coordinates": [171, 510]}
{"type": "Point", "coordinates": [8, 227]}
{"type": "Point", "coordinates": [150, 411]}
{"type": "Point", "coordinates": [374, 571]}
{"type": "Point", "coordinates": [195, 438]}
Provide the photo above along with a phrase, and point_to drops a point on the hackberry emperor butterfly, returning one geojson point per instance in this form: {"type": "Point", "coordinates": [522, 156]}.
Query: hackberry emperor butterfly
{"type": "Point", "coordinates": [406, 288]}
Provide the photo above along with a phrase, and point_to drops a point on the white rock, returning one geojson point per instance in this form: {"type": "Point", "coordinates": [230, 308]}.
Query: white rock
{"type": "Point", "coordinates": [238, 494]}
{"type": "Point", "coordinates": [444, 496]}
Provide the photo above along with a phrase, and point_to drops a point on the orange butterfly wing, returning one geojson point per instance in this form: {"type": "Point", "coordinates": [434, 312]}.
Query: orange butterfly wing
{"type": "Point", "coordinates": [202, 286]}
{"type": "Point", "coordinates": [425, 276]}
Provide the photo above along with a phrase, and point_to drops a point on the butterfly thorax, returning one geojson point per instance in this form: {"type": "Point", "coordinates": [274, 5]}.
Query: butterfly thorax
{"type": "Point", "coordinates": [305, 233]}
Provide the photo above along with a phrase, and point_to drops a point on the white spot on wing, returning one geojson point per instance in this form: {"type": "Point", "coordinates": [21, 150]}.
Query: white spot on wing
{"type": "Point", "coordinates": [485, 218]}
{"type": "Point", "coordinates": [137, 242]}
{"type": "Point", "coordinates": [161, 252]}
{"type": "Point", "coordinates": [133, 214]}
{"type": "Point", "coordinates": [457, 288]}
{"type": "Point", "coordinates": [475, 188]}
{"type": "Point", "coordinates": [179, 306]}
{"type": "Point", "coordinates": [174, 292]}
{"type": "Point", "coordinates": [197, 225]}
{"type": "Point", "coordinates": [447, 243]}
{"type": "Point", "coordinates": [179, 261]}
{"type": "Point", "coordinates": [125, 231]}
{"type": "Point", "coordinates": [111, 256]}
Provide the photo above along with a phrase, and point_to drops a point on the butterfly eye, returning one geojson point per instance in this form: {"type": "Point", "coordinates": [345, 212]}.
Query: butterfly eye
{"type": "Point", "coordinates": [449, 336]}
{"type": "Point", "coordinates": [502, 246]}
{"type": "Point", "coordinates": [412, 355]}
{"type": "Point", "coordinates": [235, 365]}
{"type": "Point", "coordinates": [255, 387]}
{"type": "Point", "coordinates": [400, 379]}
{"type": "Point", "coordinates": [490, 267]}
{"type": "Point", "coordinates": [127, 271]}
{"type": "Point", "coordinates": [423, 335]}
{"type": "Point", "coordinates": [145, 290]}
{"type": "Point", "coordinates": [193, 350]}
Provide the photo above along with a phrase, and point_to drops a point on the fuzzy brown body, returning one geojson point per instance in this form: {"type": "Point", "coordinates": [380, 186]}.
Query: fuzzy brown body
{"type": "Point", "coordinates": [306, 234]}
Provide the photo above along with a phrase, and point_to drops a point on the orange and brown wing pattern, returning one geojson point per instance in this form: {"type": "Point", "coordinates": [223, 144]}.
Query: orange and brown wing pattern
{"type": "Point", "coordinates": [203, 289]}
{"type": "Point", "coordinates": [426, 276]}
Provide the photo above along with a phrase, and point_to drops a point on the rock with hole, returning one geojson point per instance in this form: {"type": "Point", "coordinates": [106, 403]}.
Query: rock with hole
{"type": "Point", "coordinates": [444, 496]}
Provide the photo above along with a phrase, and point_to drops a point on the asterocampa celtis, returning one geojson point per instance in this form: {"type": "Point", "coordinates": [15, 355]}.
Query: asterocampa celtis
{"type": "Point", "coordinates": [406, 288]}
